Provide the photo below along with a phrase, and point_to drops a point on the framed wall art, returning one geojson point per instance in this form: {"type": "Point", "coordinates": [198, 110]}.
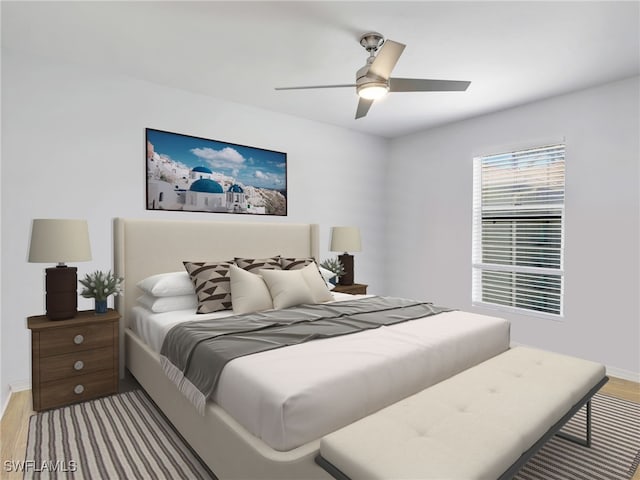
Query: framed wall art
{"type": "Point", "coordinates": [193, 174]}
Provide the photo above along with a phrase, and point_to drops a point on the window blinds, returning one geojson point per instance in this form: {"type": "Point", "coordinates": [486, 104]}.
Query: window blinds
{"type": "Point", "coordinates": [518, 215]}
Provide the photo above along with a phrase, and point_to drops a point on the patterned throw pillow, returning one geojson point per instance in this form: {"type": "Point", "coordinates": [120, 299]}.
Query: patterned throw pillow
{"type": "Point", "coordinates": [299, 264]}
{"type": "Point", "coordinates": [212, 285]}
{"type": "Point", "coordinates": [295, 263]}
{"type": "Point", "coordinates": [255, 264]}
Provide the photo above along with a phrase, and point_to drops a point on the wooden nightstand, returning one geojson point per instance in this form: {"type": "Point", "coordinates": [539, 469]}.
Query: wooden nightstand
{"type": "Point", "coordinates": [355, 289]}
{"type": "Point", "coordinates": [73, 360]}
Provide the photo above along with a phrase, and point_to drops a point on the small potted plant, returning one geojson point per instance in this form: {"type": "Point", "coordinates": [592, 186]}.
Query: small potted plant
{"type": "Point", "coordinates": [99, 285]}
{"type": "Point", "coordinates": [333, 265]}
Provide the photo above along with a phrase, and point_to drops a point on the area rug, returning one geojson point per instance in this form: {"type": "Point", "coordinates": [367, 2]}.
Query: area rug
{"type": "Point", "coordinates": [125, 437]}
{"type": "Point", "coordinates": [614, 452]}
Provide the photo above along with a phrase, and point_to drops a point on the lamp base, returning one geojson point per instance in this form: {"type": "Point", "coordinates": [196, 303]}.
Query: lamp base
{"type": "Point", "coordinates": [347, 263]}
{"type": "Point", "coordinates": [62, 292]}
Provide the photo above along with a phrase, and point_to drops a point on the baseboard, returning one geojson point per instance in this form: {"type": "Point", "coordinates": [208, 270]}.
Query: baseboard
{"type": "Point", "coordinates": [18, 386]}
{"type": "Point", "coordinates": [5, 405]}
{"type": "Point", "coordinates": [611, 371]}
{"type": "Point", "coordinates": [623, 374]}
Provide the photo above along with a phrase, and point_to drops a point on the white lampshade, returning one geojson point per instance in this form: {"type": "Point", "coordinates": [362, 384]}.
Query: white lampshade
{"type": "Point", "coordinates": [345, 239]}
{"type": "Point", "coordinates": [59, 241]}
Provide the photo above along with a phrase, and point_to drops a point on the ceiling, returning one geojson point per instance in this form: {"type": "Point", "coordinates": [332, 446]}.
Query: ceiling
{"type": "Point", "coordinates": [512, 52]}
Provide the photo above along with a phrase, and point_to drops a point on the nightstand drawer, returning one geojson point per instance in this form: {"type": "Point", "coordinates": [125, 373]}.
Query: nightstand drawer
{"type": "Point", "coordinates": [75, 339]}
{"type": "Point", "coordinates": [76, 363]}
{"type": "Point", "coordinates": [77, 389]}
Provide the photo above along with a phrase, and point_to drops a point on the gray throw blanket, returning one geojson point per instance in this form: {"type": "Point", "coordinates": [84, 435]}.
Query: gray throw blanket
{"type": "Point", "coordinates": [194, 353]}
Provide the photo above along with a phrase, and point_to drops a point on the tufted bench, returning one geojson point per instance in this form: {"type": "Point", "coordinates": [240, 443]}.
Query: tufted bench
{"type": "Point", "coordinates": [484, 423]}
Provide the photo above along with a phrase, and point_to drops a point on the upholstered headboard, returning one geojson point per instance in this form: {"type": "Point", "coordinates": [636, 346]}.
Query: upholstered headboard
{"type": "Point", "coordinates": [147, 247]}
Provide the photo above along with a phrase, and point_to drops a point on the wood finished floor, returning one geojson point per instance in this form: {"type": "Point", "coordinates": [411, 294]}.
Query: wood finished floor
{"type": "Point", "coordinates": [15, 422]}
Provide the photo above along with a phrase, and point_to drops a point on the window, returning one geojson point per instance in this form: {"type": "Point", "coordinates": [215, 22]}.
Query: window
{"type": "Point", "coordinates": [518, 230]}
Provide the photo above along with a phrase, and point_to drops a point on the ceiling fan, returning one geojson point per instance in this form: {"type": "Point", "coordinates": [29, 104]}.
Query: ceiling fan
{"type": "Point", "coordinates": [374, 81]}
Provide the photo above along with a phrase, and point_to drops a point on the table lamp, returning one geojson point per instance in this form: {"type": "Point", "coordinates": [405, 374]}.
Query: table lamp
{"type": "Point", "coordinates": [345, 239]}
{"type": "Point", "coordinates": [59, 241]}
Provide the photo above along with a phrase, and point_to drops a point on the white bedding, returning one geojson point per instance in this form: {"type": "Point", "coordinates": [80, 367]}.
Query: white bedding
{"type": "Point", "coordinates": [290, 396]}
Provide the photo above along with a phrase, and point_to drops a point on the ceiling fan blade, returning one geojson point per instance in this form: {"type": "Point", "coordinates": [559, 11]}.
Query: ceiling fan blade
{"type": "Point", "coordinates": [317, 86]}
{"type": "Point", "coordinates": [425, 85]}
{"type": "Point", "coordinates": [364, 105]}
{"type": "Point", "coordinates": [386, 58]}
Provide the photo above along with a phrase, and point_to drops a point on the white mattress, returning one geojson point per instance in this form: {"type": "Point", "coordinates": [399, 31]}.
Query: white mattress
{"type": "Point", "coordinates": [293, 395]}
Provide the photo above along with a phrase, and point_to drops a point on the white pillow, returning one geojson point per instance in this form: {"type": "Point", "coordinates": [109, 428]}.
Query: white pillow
{"type": "Point", "coordinates": [249, 293]}
{"type": "Point", "coordinates": [316, 283]}
{"type": "Point", "coordinates": [168, 304]}
{"type": "Point", "coordinates": [287, 287]}
{"type": "Point", "coordinates": [171, 284]}
{"type": "Point", "coordinates": [326, 274]}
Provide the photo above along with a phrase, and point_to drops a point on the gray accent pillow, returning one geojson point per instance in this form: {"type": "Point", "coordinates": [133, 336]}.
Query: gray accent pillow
{"type": "Point", "coordinates": [212, 285]}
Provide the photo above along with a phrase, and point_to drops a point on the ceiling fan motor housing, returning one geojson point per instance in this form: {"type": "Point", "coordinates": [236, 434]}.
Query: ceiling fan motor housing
{"type": "Point", "coordinates": [371, 82]}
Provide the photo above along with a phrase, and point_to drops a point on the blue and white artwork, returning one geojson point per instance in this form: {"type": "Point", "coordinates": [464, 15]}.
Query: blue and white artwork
{"type": "Point", "coordinates": [200, 175]}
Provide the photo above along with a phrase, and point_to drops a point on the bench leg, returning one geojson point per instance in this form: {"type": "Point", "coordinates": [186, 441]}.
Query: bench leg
{"type": "Point", "coordinates": [580, 441]}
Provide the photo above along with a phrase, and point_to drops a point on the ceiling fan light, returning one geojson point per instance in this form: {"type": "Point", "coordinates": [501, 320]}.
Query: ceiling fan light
{"type": "Point", "coordinates": [373, 91]}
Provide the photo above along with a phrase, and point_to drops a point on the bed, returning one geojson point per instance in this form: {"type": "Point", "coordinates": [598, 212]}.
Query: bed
{"type": "Point", "coordinates": [245, 433]}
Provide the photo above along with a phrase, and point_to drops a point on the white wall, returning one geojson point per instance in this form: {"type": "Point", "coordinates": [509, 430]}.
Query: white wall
{"type": "Point", "coordinates": [74, 147]}
{"type": "Point", "coordinates": [429, 222]}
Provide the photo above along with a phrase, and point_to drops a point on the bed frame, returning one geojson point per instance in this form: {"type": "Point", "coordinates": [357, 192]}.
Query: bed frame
{"type": "Point", "coordinates": [147, 247]}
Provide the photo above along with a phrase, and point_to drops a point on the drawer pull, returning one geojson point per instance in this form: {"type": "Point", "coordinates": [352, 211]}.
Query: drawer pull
{"type": "Point", "coordinates": [79, 365]}
{"type": "Point", "coordinates": [78, 389]}
{"type": "Point", "coordinates": [78, 339]}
